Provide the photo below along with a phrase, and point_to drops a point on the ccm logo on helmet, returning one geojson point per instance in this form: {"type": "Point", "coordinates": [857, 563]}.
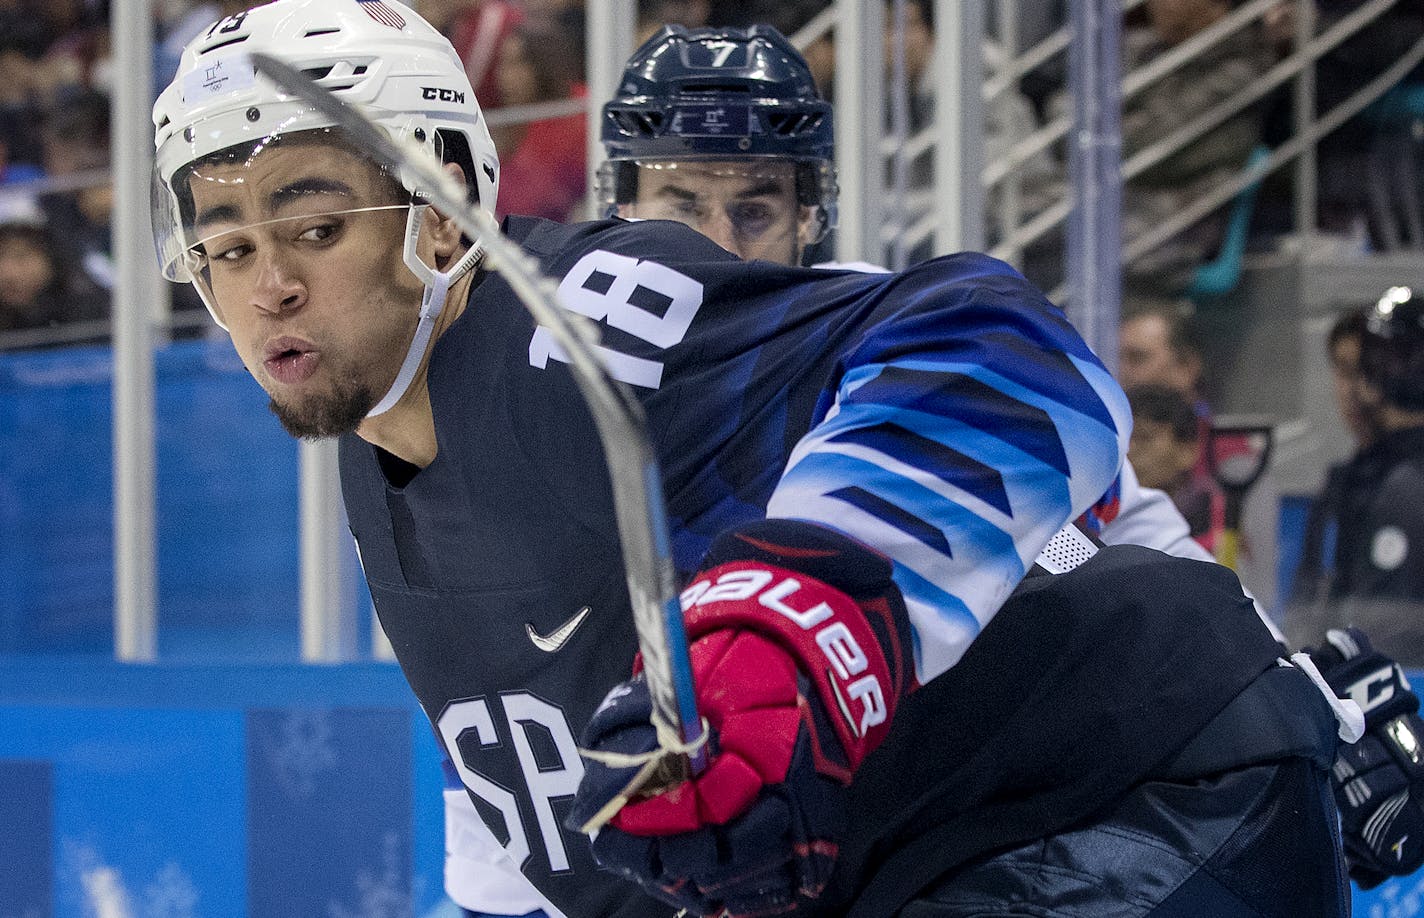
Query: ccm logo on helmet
{"type": "Point", "coordinates": [844, 654]}
{"type": "Point", "coordinates": [442, 94]}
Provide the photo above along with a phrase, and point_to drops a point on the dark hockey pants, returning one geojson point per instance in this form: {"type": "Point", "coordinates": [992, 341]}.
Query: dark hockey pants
{"type": "Point", "coordinates": [1261, 841]}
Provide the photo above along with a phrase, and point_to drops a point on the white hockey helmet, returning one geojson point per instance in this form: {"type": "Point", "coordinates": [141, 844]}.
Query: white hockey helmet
{"type": "Point", "coordinates": [375, 54]}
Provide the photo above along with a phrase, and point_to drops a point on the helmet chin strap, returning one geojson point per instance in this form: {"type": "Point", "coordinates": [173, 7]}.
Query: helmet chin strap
{"type": "Point", "coordinates": [432, 302]}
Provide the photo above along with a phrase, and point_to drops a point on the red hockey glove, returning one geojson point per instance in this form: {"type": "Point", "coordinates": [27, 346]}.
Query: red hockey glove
{"type": "Point", "coordinates": [1378, 781]}
{"type": "Point", "coordinates": [799, 655]}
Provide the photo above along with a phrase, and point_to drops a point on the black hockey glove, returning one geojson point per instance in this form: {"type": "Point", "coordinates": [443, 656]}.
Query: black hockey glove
{"type": "Point", "coordinates": [799, 654]}
{"type": "Point", "coordinates": [1378, 781]}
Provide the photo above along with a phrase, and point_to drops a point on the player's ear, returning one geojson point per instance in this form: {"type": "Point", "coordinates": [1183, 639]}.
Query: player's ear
{"type": "Point", "coordinates": [443, 232]}
{"type": "Point", "coordinates": [810, 225]}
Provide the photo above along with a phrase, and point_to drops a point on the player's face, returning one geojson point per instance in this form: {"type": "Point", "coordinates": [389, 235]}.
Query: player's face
{"type": "Point", "coordinates": [1345, 373]}
{"type": "Point", "coordinates": [26, 269]}
{"type": "Point", "coordinates": [1159, 458]}
{"type": "Point", "coordinates": [748, 208]}
{"type": "Point", "coordinates": [1146, 357]}
{"type": "Point", "coordinates": [302, 261]}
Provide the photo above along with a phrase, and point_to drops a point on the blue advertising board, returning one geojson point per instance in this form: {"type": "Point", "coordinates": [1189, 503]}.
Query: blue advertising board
{"type": "Point", "coordinates": [226, 503]}
{"type": "Point", "coordinates": [220, 792]}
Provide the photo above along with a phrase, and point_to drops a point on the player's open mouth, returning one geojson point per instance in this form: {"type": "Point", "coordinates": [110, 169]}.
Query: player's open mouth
{"type": "Point", "coordinates": [290, 360]}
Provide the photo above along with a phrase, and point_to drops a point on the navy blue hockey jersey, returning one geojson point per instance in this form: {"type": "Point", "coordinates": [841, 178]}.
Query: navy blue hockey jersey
{"type": "Point", "coordinates": [947, 416]}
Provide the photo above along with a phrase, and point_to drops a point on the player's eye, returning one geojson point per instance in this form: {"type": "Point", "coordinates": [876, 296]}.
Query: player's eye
{"type": "Point", "coordinates": [752, 217]}
{"type": "Point", "coordinates": [321, 232]}
{"type": "Point", "coordinates": [229, 251]}
{"type": "Point", "coordinates": [689, 210]}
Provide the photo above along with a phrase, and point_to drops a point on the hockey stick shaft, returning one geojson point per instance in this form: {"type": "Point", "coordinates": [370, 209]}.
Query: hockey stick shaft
{"type": "Point", "coordinates": [618, 415]}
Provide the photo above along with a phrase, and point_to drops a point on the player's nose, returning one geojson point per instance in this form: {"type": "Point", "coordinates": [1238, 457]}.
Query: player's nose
{"type": "Point", "coordinates": [277, 289]}
{"type": "Point", "coordinates": [718, 227]}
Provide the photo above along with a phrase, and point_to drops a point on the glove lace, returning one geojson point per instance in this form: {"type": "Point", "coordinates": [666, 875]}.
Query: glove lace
{"type": "Point", "coordinates": [666, 760]}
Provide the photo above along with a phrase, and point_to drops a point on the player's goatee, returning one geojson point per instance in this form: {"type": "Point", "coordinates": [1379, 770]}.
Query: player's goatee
{"type": "Point", "coordinates": [327, 415]}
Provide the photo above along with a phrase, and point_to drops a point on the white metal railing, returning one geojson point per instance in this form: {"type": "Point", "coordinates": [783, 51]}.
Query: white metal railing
{"type": "Point", "coordinates": [1281, 155]}
{"type": "Point", "coordinates": [857, 105]}
{"type": "Point", "coordinates": [608, 36]}
{"type": "Point", "coordinates": [1309, 129]}
{"type": "Point", "coordinates": [534, 111]}
{"type": "Point", "coordinates": [55, 184]}
{"type": "Point", "coordinates": [823, 23]}
{"type": "Point", "coordinates": [1243, 17]}
{"type": "Point", "coordinates": [138, 285]}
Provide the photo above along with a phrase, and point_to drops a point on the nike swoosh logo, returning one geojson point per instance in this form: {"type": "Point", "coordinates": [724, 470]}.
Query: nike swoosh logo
{"type": "Point", "coordinates": [559, 636]}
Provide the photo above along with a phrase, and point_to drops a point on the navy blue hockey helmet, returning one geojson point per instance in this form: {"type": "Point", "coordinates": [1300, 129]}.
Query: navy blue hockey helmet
{"type": "Point", "coordinates": [718, 94]}
{"type": "Point", "coordinates": [1392, 348]}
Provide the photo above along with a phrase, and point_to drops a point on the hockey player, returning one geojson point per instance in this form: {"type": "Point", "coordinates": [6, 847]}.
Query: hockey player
{"type": "Point", "coordinates": [1376, 580]}
{"type": "Point", "coordinates": [770, 194]}
{"type": "Point", "coordinates": [760, 194]}
{"type": "Point", "coordinates": [741, 151]}
{"type": "Point", "coordinates": [859, 470]}
{"type": "Point", "coordinates": [664, 164]}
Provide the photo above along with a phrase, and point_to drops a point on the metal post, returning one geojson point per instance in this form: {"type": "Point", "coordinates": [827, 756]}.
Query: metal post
{"type": "Point", "coordinates": [1306, 194]}
{"type": "Point", "coordinates": [136, 289]}
{"type": "Point", "coordinates": [899, 131]}
{"type": "Point", "coordinates": [1006, 15]}
{"type": "Point", "coordinates": [959, 119]}
{"type": "Point", "coordinates": [609, 37]}
{"type": "Point", "coordinates": [1010, 192]}
{"type": "Point", "coordinates": [860, 119]}
{"type": "Point", "coordinates": [1094, 158]}
{"type": "Point", "coordinates": [329, 626]}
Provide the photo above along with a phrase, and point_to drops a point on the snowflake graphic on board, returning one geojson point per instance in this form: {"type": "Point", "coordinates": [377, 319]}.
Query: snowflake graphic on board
{"type": "Point", "coordinates": [1401, 897]}
{"type": "Point", "coordinates": [385, 894]}
{"type": "Point", "coordinates": [88, 885]}
{"type": "Point", "coordinates": [171, 894]}
{"type": "Point", "coordinates": [301, 751]}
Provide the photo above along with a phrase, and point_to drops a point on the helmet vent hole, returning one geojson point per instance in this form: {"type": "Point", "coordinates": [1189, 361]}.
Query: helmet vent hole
{"type": "Point", "coordinates": [639, 123]}
{"type": "Point", "coordinates": [339, 79]}
{"type": "Point", "coordinates": [223, 44]}
{"type": "Point", "coordinates": [716, 88]}
{"type": "Point", "coordinates": [788, 124]}
{"type": "Point", "coordinates": [313, 33]}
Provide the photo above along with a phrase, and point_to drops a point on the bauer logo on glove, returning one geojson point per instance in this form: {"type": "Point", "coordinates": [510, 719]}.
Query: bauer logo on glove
{"type": "Point", "coordinates": [797, 637]}
{"type": "Point", "coordinates": [859, 695]}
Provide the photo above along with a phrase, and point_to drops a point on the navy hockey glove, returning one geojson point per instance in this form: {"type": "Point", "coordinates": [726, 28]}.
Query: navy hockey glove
{"type": "Point", "coordinates": [1378, 781]}
{"type": "Point", "coordinates": [798, 645]}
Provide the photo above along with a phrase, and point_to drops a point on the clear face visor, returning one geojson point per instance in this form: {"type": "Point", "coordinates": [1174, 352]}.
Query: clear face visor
{"type": "Point", "coordinates": [282, 200]}
{"type": "Point", "coordinates": [750, 207]}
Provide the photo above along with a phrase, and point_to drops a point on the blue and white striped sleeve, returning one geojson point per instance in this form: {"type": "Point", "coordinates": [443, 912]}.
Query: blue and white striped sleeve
{"type": "Point", "coordinates": [966, 425]}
